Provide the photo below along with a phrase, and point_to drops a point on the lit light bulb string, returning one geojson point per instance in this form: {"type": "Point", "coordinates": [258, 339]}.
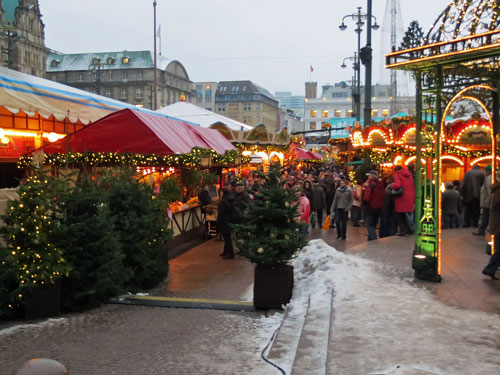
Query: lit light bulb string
{"type": "Point", "coordinates": [191, 160]}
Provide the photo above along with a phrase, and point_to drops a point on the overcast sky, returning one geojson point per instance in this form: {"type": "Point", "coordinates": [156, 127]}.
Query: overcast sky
{"type": "Point", "coordinates": [271, 42]}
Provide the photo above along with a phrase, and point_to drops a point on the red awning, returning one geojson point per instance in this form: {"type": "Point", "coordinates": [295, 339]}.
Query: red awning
{"type": "Point", "coordinates": [317, 155]}
{"type": "Point", "coordinates": [304, 155]}
{"type": "Point", "coordinates": [142, 133]}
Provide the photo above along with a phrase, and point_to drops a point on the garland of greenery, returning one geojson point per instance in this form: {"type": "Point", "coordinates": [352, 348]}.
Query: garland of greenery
{"type": "Point", "coordinates": [257, 147]}
{"type": "Point", "coordinates": [195, 159]}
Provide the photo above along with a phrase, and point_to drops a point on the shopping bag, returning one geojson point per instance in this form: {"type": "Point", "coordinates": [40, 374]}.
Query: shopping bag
{"type": "Point", "coordinates": [326, 224]}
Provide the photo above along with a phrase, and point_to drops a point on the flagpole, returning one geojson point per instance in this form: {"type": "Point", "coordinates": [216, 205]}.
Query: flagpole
{"type": "Point", "coordinates": [159, 37]}
{"type": "Point", "coordinates": [155, 92]}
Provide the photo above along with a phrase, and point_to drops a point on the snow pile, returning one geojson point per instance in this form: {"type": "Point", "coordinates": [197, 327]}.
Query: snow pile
{"type": "Point", "coordinates": [380, 323]}
{"type": "Point", "coordinates": [53, 322]}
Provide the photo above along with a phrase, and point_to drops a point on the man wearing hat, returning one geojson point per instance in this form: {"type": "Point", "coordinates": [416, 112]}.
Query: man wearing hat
{"type": "Point", "coordinates": [484, 202]}
{"type": "Point", "coordinates": [240, 197]}
{"type": "Point", "coordinates": [373, 201]}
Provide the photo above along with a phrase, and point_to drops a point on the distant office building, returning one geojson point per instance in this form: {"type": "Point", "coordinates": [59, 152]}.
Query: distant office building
{"type": "Point", "coordinates": [288, 119]}
{"type": "Point", "coordinates": [336, 101]}
{"type": "Point", "coordinates": [247, 102]}
{"type": "Point", "coordinates": [289, 101]}
{"type": "Point", "coordinates": [22, 37]}
{"type": "Point", "coordinates": [126, 76]}
{"type": "Point", "coordinates": [204, 95]}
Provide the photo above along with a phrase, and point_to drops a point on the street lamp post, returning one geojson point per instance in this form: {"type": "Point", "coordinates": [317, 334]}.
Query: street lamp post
{"type": "Point", "coordinates": [155, 93]}
{"type": "Point", "coordinates": [359, 18]}
{"type": "Point", "coordinates": [95, 67]}
{"type": "Point", "coordinates": [356, 88]}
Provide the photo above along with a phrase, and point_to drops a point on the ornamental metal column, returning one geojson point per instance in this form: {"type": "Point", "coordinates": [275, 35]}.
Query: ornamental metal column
{"type": "Point", "coordinates": [426, 254]}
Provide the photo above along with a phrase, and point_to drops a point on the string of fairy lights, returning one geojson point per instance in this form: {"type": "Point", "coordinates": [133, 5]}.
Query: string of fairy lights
{"type": "Point", "coordinates": [198, 158]}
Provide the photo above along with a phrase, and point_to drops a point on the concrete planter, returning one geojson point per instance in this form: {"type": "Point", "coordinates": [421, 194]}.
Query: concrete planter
{"type": "Point", "coordinates": [272, 286]}
{"type": "Point", "coordinates": [43, 301]}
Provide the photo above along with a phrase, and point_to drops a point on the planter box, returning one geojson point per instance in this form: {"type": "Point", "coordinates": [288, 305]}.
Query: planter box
{"type": "Point", "coordinates": [43, 301]}
{"type": "Point", "coordinates": [272, 286]}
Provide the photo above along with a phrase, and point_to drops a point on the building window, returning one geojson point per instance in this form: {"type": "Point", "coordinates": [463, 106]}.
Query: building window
{"type": "Point", "coordinates": [312, 113]}
{"type": "Point", "coordinates": [235, 88]}
{"type": "Point", "coordinates": [234, 107]}
{"type": "Point", "coordinates": [247, 106]}
{"type": "Point", "coordinates": [349, 113]}
{"type": "Point", "coordinates": [385, 112]}
{"type": "Point", "coordinates": [108, 93]}
{"type": "Point", "coordinates": [54, 63]}
{"type": "Point", "coordinates": [80, 77]}
{"type": "Point", "coordinates": [221, 108]}
{"type": "Point", "coordinates": [138, 94]}
{"type": "Point", "coordinates": [199, 93]}
{"type": "Point", "coordinates": [124, 75]}
{"type": "Point", "coordinates": [312, 125]}
{"type": "Point", "coordinates": [338, 113]}
{"type": "Point", "coordinates": [94, 76]}
{"type": "Point", "coordinates": [126, 60]}
{"type": "Point", "coordinates": [324, 113]}
{"type": "Point", "coordinates": [374, 112]}
{"type": "Point", "coordinates": [124, 94]}
{"type": "Point", "coordinates": [208, 96]}
{"type": "Point", "coordinates": [110, 61]}
{"type": "Point", "coordinates": [140, 75]}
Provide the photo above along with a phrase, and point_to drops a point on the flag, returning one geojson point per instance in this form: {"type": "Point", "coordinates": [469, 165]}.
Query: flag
{"type": "Point", "coordinates": [311, 68]}
{"type": "Point", "coordinates": [158, 33]}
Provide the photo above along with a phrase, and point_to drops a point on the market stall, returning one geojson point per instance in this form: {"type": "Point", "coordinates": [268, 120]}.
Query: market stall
{"type": "Point", "coordinates": [156, 146]}
{"type": "Point", "coordinates": [467, 141]}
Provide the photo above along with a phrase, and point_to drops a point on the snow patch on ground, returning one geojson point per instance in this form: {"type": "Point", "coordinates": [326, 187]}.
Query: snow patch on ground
{"type": "Point", "coordinates": [380, 323]}
{"type": "Point", "coordinates": [22, 327]}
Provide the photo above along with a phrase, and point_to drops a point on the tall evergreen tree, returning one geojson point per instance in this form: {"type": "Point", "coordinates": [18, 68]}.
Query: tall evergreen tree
{"type": "Point", "coordinates": [92, 246]}
{"type": "Point", "coordinates": [142, 221]}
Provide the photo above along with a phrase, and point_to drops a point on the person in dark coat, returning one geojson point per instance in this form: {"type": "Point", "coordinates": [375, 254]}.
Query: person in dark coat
{"type": "Point", "coordinates": [484, 202]}
{"type": "Point", "coordinates": [450, 204]}
{"type": "Point", "coordinates": [405, 202]}
{"type": "Point", "coordinates": [225, 217]}
{"type": "Point", "coordinates": [318, 202]}
{"type": "Point", "coordinates": [388, 216]}
{"type": "Point", "coordinates": [494, 228]}
{"type": "Point", "coordinates": [341, 205]}
{"type": "Point", "coordinates": [373, 201]}
{"type": "Point", "coordinates": [471, 193]}
{"type": "Point", "coordinates": [204, 197]}
{"type": "Point", "coordinates": [240, 198]}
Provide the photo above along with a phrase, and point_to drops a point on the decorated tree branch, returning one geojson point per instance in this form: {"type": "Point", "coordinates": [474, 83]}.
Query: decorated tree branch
{"type": "Point", "coordinates": [269, 232]}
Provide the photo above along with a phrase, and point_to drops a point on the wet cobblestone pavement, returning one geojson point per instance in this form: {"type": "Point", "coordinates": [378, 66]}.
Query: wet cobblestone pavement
{"type": "Point", "coordinates": [143, 340]}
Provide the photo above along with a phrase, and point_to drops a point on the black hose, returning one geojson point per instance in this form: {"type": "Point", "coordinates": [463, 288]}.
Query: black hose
{"type": "Point", "coordinates": [264, 350]}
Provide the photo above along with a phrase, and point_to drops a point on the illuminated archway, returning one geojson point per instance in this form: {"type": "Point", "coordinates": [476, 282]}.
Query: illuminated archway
{"type": "Point", "coordinates": [460, 96]}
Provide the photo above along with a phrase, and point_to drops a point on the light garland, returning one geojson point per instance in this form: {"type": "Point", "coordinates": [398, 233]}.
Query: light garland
{"type": "Point", "coordinates": [195, 159]}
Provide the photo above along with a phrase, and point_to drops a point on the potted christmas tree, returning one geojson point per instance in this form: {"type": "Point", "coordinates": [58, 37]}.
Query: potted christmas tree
{"type": "Point", "coordinates": [269, 237]}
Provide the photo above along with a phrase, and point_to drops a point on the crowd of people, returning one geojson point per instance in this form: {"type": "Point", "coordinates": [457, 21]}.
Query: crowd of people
{"type": "Point", "coordinates": [386, 204]}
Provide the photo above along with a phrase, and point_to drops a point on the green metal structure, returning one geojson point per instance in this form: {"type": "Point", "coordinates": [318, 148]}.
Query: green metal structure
{"type": "Point", "coordinates": [458, 59]}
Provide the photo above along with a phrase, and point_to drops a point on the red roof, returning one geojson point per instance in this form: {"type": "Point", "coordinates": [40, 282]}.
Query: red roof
{"type": "Point", "coordinates": [304, 155]}
{"type": "Point", "coordinates": [317, 155]}
{"type": "Point", "coordinates": [142, 133]}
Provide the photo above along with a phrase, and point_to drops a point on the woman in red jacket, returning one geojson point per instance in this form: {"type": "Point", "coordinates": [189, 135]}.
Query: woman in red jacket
{"type": "Point", "coordinates": [404, 191]}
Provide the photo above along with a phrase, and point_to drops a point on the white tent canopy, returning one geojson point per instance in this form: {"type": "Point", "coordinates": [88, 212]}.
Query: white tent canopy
{"type": "Point", "coordinates": [35, 95]}
{"type": "Point", "coordinates": [203, 117]}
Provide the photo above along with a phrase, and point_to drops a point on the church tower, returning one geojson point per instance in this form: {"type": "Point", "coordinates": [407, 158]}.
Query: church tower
{"type": "Point", "coordinates": [22, 37]}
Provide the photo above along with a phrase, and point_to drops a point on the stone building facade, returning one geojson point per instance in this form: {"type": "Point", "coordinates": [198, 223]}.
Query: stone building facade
{"type": "Point", "coordinates": [204, 95]}
{"type": "Point", "coordinates": [247, 102]}
{"type": "Point", "coordinates": [336, 101]}
{"type": "Point", "coordinates": [127, 76]}
{"type": "Point", "coordinates": [22, 36]}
